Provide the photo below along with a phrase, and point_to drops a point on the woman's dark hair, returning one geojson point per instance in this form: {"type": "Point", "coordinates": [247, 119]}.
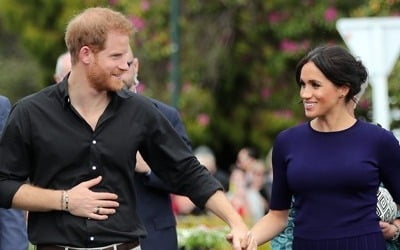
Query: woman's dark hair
{"type": "Point", "coordinates": [338, 65]}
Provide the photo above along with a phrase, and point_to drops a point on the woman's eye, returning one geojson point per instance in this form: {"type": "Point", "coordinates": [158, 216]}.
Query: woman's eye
{"type": "Point", "coordinates": [316, 85]}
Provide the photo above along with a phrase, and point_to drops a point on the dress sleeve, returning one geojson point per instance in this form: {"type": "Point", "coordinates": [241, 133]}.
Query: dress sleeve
{"type": "Point", "coordinates": [281, 196]}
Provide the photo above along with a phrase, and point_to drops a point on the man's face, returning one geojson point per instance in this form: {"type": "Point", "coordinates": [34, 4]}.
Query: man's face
{"type": "Point", "coordinates": [129, 77]}
{"type": "Point", "coordinates": [107, 66]}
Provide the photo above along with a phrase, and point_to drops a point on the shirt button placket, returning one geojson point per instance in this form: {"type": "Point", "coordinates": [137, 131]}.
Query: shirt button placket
{"type": "Point", "coordinates": [94, 167]}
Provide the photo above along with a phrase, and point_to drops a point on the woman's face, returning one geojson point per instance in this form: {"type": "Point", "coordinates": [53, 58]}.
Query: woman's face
{"type": "Point", "coordinates": [318, 94]}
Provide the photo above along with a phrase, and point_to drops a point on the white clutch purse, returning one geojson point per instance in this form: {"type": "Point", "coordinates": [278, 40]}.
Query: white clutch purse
{"type": "Point", "coordinates": [386, 208]}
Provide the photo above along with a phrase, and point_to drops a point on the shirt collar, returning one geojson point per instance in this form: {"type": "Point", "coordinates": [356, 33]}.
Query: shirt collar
{"type": "Point", "coordinates": [63, 91]}
{"type": "Point", "coordinates": [64, 95]}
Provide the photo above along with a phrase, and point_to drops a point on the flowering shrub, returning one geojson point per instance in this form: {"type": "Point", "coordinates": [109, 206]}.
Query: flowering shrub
{"type": "Point", "coordinates": [202, 238]}
{"type": "Point", "coordinates": [205, 232]}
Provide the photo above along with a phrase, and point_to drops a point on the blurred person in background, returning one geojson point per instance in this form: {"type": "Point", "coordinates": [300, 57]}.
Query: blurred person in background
{"type": "Point", "coordinates": [245, 159]}
{"type": "Point", "coordinates": [246, 196]}
{"type": "Point", "coordinates": [257, 204]}
{"type": "Point", "coordinates": [206, 156]}
{"type": "Point", "coordinates": [63, 67]}
{"type": "Point", "coordinates": [182, 204]}
{"type": "Point", "coordinates": [155, 206]}
{"type": "Point", "coordinates": [237, 193]}
{"type": "Point", "coordinates": [13, 235]}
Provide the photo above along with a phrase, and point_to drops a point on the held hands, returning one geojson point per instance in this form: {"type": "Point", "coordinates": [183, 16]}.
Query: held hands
{"type": "Point", "coordinates": [247, 242]}
{"type": "Point", "coordinates": [83, 202]}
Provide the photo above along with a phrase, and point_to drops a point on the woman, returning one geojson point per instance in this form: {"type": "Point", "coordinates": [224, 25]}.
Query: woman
{"type": "Point", "coordinates": [332, 165]}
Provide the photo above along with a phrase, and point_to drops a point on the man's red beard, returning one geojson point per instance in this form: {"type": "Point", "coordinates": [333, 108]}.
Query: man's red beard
{"type": "Point", "coordinates": [101, 80]}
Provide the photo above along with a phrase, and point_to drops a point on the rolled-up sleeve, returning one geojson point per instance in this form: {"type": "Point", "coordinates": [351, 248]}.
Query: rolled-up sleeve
{"type": "Point", "coordinates": [170, 158]}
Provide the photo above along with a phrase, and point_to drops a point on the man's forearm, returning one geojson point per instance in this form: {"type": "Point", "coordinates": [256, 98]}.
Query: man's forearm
{"type": "Point", "coordinates": [79, 200]}
{"type": "Point", "coordinates": [239, 236]}
{"type": "Point", "coordinates": [221, 206]}
{"type": "Point", "coordinates": [37, 199]}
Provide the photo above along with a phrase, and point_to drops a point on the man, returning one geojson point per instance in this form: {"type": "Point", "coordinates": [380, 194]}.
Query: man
{"type": "Point", "coordinates": [76, 142]}
{"type": "Point", "coordinates": [12, 221]}
{"type": "Point", "coordinates": [155, 207]}
{"type": "Point", "coordinates": [63, 66]}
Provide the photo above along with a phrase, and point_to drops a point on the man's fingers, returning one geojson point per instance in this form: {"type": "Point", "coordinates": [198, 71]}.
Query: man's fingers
{"type": "Point", "coordinates": [229, 237]}
{"type": "Point", "coordinates": [108, 204]}
{"type": "Point", "coordinates": [101, 213]}
{"type": "Point", "coordinates": [251, 243]}
{"type": "Point", "coordinates": [106, 197]}
{"type": "Point", "coordinates": [247, 241]}
{"type": "Point", "coordinates": [98, 216]}
{"type": "Point", "coordinates": [104, 211]}
{"type": "Point", "coordinates": [92, 182]}
{"type": "Point", "coordinates": [236, 244]}
{"type": "Point", "coordinates": [98, 195]}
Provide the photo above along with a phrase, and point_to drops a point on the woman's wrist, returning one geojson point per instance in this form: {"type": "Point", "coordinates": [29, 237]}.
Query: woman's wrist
{"type": "Point", "coordinates": [396, 233]}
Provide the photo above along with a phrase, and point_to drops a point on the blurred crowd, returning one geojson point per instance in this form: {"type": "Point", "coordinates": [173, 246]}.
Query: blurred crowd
{"type": "Point", "coordinates": [247, 183]}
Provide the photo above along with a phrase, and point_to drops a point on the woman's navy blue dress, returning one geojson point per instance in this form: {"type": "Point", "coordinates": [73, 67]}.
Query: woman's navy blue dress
{"type": "Point", "coordinates": [334, 177]}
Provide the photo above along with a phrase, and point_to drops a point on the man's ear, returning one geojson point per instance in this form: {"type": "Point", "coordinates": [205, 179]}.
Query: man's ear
{"type": "Point", "coordinates": [85, 55]}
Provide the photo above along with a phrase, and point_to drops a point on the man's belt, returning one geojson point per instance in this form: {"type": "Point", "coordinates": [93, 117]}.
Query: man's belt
{"type": "Point", "coordinates": [121, 246]}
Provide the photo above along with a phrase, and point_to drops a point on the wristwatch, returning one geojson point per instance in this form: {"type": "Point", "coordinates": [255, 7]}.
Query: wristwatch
{"type": "Point", "coordinates": [397, 233]}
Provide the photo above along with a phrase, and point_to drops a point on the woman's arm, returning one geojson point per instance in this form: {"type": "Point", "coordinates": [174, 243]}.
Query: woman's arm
{"type": "Point", "coordinates": [270, 225]}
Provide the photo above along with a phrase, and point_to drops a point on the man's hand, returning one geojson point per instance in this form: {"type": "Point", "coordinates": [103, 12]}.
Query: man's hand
{"type": "Point", "coordinates": [141, 165]}
{"type": "Point", "coordinates": [246, 243]}
{"type": "Point", "coordinates": [94, 205]}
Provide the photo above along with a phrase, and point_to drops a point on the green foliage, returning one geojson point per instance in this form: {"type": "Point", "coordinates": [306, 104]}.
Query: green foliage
{"type": "Point", "coordinates": [17, 82]}
{"type": "Point", "coordinates": [19, 73]}
{"type": "Point", "coordinates": [238, 56]}
{"type": "Point", "coordinates": [202, 238]}
{"type": "Point", "coordinates": [40, 24]}
{"type": "Point", "coordinates": [204, 232]}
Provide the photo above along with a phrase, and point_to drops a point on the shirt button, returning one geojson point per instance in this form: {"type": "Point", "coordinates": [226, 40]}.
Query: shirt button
{"type": "Point", "coordinates": [91, 238]}
{"type": "Point", "coordinates": [94, 167]}
{"type": "Point", "coordinates": [94, 142]}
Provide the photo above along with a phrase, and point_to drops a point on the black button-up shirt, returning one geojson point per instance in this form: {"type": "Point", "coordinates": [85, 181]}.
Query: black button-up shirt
{"type": "Point", "coordinates": [46, 141]}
